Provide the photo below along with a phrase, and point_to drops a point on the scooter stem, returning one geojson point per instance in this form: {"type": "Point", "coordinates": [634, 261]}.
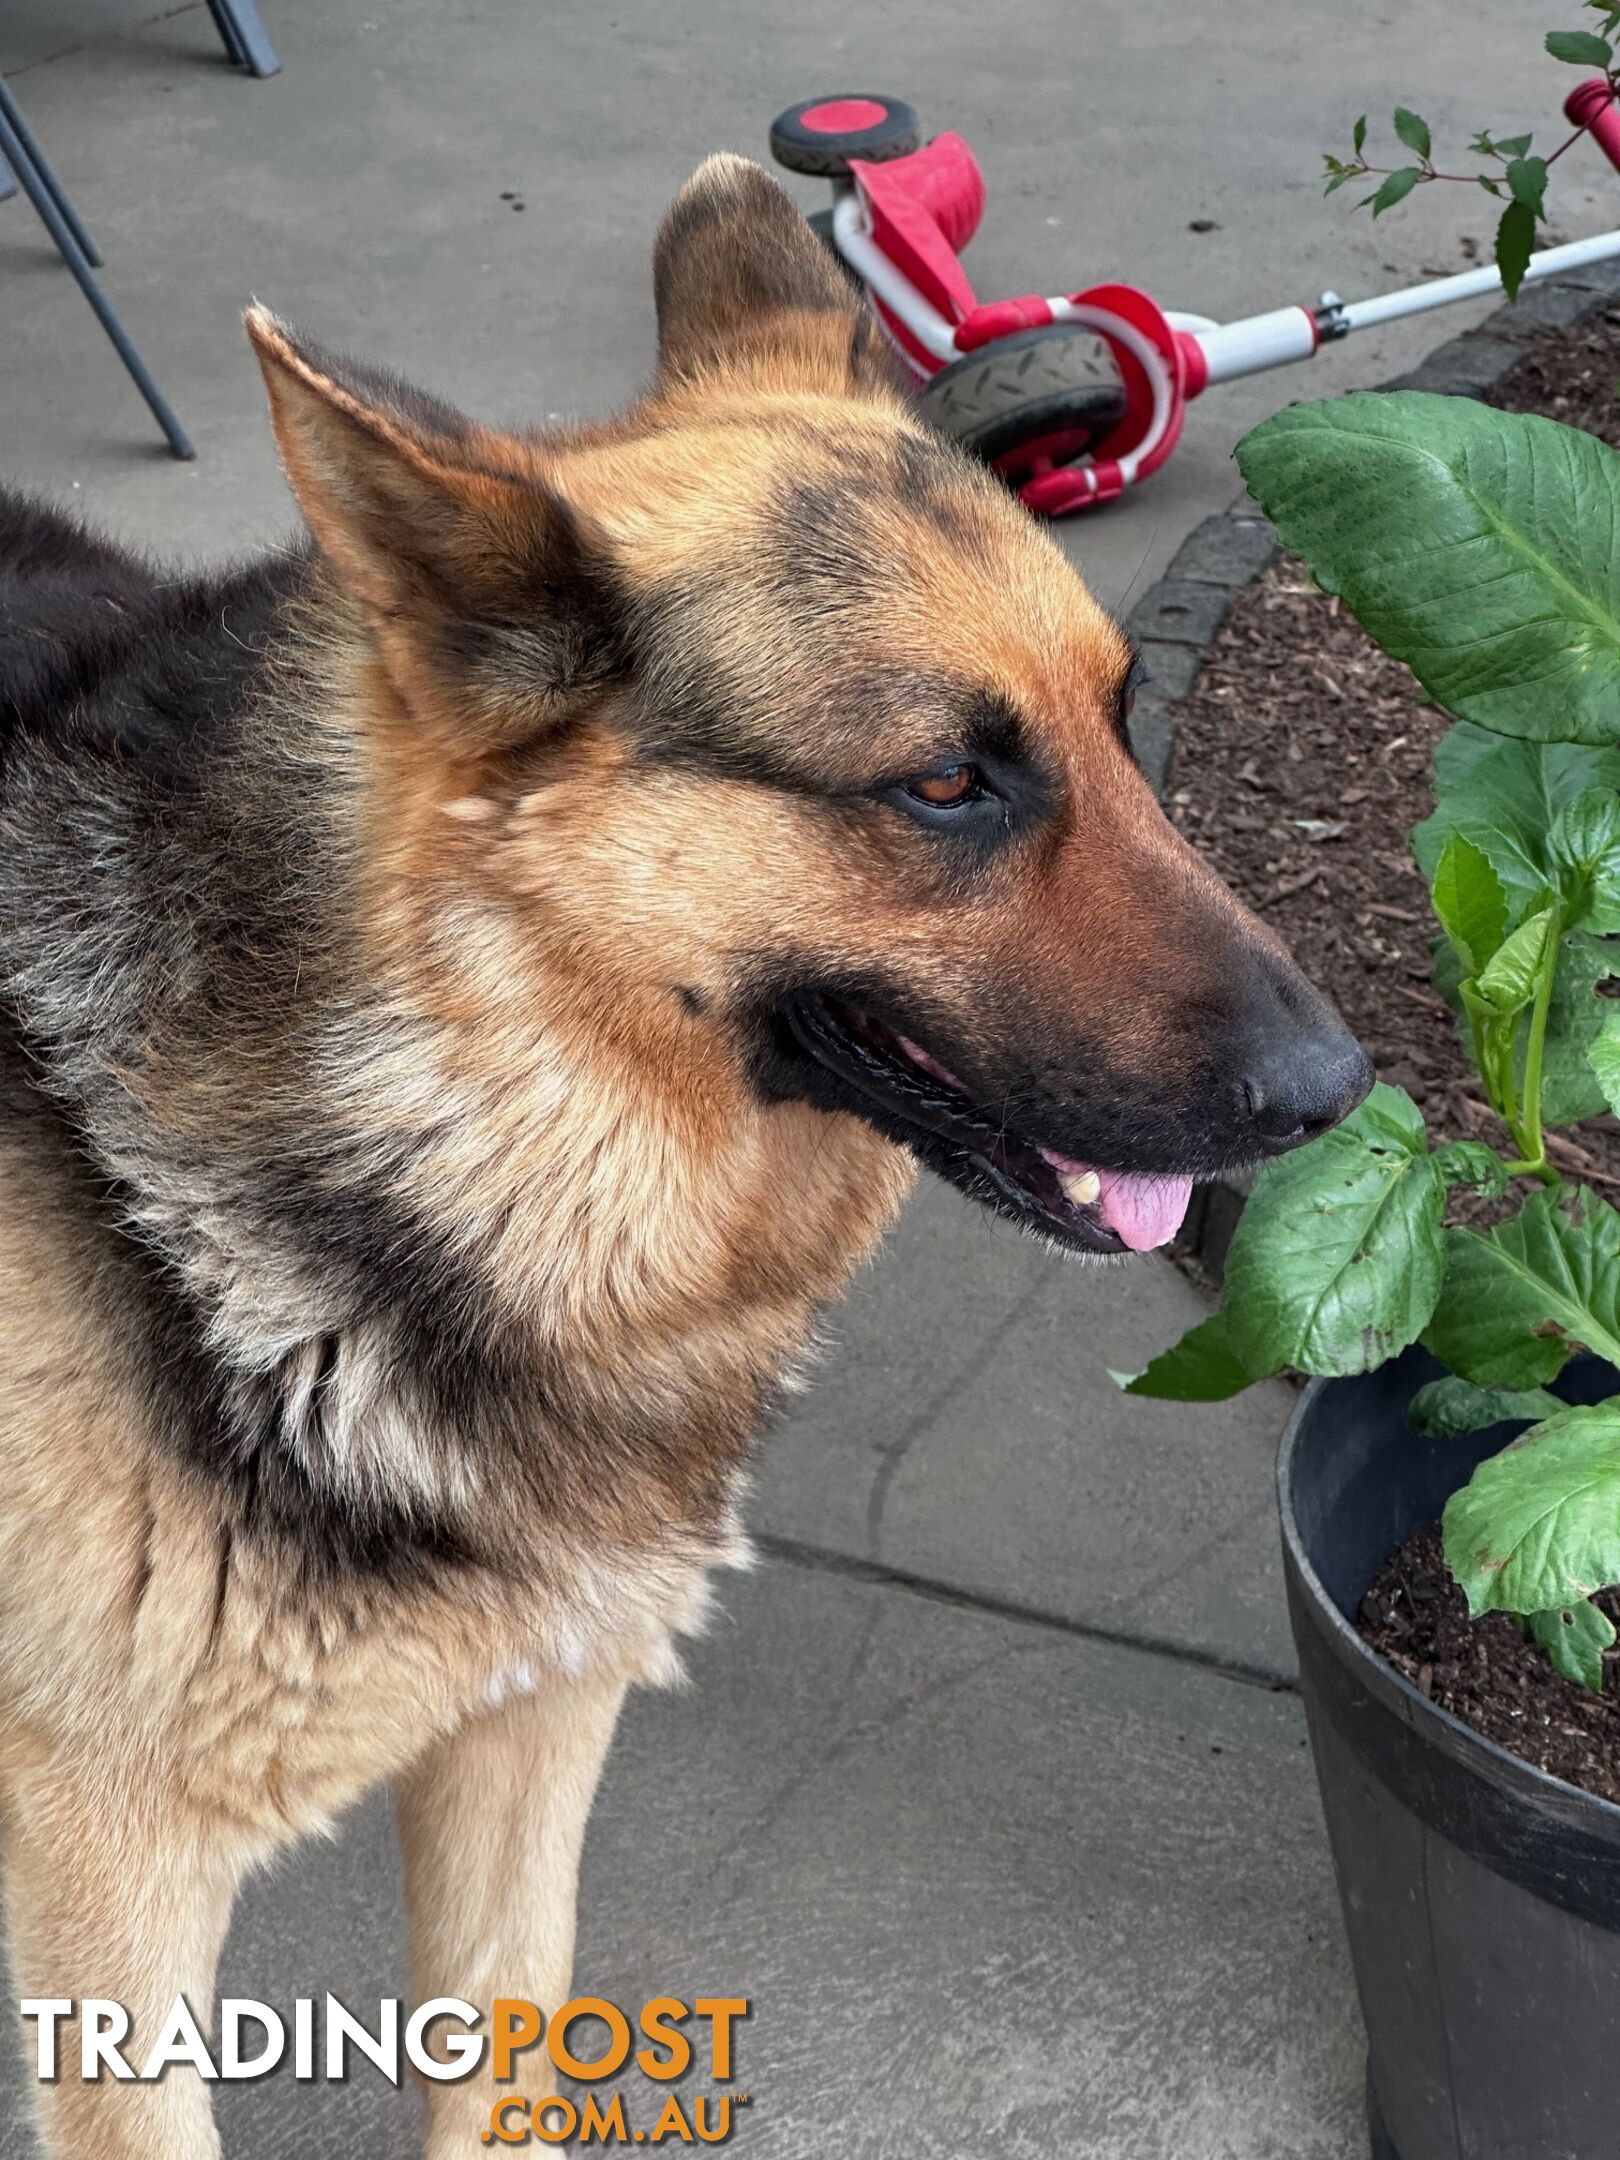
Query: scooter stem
{"type": "Point", "coordinates": [1294, 333]}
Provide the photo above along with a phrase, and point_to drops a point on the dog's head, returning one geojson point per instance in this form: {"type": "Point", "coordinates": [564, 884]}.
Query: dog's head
{"type": "Point", "coordinates": [780, 725]}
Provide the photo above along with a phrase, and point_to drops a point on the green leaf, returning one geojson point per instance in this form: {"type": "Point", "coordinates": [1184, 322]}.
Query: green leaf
{"type": "Point", "coordinates": [1472, 544]}
{"type": "Point", "coordinates": [1604, 1054]}
{"type": "Point", "coordinates": [1358, 135]}
{"type": "Point", "coordinates": [1450, 1407]}
{"type": "Point", "coordinates": [1509, 982]}
{"type": "Point", "coordinates": [1538, 1526]}
{"type": "Point", "coordinates": [1575, 1638]}
{"type": "Point", "coordinates": [1527, 183]}
{"type": "Point", "coordinates": [1202, 1367]}
{"type": "Point", "coordinates": [1412, 131]}
{"type": "Point", "coordinates": [1394, 189]}
{"type": "Point", "coordinates": [1448, 974]}
{"type": "Point", "coordinates": [1471, 1162]}
{"type": "Point", "coordinates": [1469, 900]}
{"type": "Point", "coordinates": [1520, 1297]}
{"type": "Point", "coordinates": [1338, 180]}
{"type": "Point", "coordinates": [1569, 1085]}
{"type": "Point", "coordinates": [1581, 48]}
{"type": "Point", "coordinates": [1478, 1006]}
{"type": "Point", "coordinates": [1512, 146]}
{"type": "Point", "coordinates": [1515, 244]}
{"type": "Point", "coordinates": [1585, 841]}
{"type": "Point", "coordinates": [1506, 796]}
{"type": "Point", "coordinates": [1336, 1262]}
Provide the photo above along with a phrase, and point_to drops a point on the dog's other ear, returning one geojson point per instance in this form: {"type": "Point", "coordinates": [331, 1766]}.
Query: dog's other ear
{"type": "Point", "coordinates": [489, 603]}
{"type": "Point", "coordinates": [745, 289]}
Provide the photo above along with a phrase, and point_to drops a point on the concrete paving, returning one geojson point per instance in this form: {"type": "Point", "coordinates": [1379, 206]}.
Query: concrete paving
{"type": "Point", "coordinates": [963, 1429]}
{"type": "Point", "coordinates": [989, 1792]}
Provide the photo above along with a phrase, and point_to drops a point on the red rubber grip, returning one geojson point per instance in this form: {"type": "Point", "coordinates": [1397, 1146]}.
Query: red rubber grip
{"type": "Point", "coordinates": [1591, 105]}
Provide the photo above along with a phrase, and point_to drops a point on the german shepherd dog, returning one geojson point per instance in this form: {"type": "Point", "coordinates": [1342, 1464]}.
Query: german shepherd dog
{"type": "Point", "coordinates": [471, 989]}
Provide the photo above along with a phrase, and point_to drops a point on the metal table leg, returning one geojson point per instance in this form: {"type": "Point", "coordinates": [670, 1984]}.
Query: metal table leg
{"type": "Point", "coordinates": [36, 157]}
{"type": "Point", "coordinates": [43, 190]}
{"type": "Point", "coordinates": [246, 45]}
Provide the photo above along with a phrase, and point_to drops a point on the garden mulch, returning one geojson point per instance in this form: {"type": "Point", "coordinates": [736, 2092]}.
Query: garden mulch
{"type": "Point", "coordinates": [1302, 759]}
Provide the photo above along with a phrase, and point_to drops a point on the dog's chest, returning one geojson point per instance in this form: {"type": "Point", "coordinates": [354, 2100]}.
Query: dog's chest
{"type": "Point", "coordinates": [308, 1698]}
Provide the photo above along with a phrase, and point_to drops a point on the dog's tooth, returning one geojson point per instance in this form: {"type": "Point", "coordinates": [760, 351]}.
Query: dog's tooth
{"type": "Point", "coordinates": [1080, 1187]}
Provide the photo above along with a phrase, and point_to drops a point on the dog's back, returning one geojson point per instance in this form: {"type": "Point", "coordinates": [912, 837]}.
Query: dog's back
{"type": "Point", "coordinates": [98, 647]}
{"type": "Point", "coordinates": [122, 689]}
{"type": "Point", "coordinates": [74, 610]}
{"type": "Point", "coordinates": [71, 608]}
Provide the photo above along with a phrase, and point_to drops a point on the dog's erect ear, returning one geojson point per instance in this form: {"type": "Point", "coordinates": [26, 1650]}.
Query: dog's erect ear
{"type": "Point", "coordinates": [488, 601]}
{"type": "Point", "coordinates": [745, 289]}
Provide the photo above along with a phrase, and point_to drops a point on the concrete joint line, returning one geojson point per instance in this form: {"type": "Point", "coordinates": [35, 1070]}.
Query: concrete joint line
{"type": "Point", "coordinates": [794, 1553]}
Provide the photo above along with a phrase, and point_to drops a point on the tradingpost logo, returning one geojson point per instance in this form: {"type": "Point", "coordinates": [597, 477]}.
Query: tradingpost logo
{"type": "Point", "coordinates": [445, 2040]}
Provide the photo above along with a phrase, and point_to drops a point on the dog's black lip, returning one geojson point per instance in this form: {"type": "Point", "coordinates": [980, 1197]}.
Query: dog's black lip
{"type": "Point", "coordinates": [851, 1042]}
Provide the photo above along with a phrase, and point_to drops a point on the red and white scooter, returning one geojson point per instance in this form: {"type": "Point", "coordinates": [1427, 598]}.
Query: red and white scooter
{"type": "Point", "coordinates": [1075, 398]}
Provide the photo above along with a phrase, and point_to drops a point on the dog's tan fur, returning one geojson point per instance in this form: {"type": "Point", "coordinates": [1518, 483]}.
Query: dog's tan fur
{"type": "Point", "coordinates": [545, 1074]}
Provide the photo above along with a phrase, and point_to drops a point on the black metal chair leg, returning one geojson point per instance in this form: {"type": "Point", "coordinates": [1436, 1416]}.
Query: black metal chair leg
{"type": "Point", "coordinates": [246, 45]}
{"type": "Point", "coordinates": [8, 185]}
{"type": "Point", "coordinates": [41, 164]}
{"type": "Point", "coordinates": [44, 199]}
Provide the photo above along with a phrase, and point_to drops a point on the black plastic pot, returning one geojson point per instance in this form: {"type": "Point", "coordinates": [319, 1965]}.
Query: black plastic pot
{"type": "Point", "coordinates": [1481, 1897]}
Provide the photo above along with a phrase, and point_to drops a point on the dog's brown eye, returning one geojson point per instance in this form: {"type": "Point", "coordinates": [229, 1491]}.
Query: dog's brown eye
{"type": "Point", "coordinates": [956, 784]}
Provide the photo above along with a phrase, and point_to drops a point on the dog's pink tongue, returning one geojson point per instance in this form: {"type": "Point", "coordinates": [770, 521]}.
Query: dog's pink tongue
{"type": "Point", "coordinates": [1142, 1211]}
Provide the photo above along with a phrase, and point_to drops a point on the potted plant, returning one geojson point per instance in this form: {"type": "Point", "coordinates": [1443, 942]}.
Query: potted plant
{"type": "Point", "coordinates": [1467, 1370]}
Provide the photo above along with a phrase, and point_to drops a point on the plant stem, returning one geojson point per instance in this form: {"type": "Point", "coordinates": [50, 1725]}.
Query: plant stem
{"type": "Point", "coordinates": [1543, 1170]}
{"type": "Point", "coordinates": [1508, 1088]}
{"type": "Point", "coordinates": [1425, 172]}
{"type": "Point", "coordinates": [1529, 1136]}
{"type": "Point", "coordinates": [1573, 140]}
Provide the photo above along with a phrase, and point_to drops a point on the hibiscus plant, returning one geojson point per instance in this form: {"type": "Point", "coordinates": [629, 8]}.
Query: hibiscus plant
{"type": "Point", "coordinates": [1482, 549]}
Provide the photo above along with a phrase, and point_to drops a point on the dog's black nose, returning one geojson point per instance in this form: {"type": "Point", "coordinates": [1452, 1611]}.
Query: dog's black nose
{"type": "Point", "coordinates": [1302, 1079]}
{"type": "Point", "coordinates": [1298, 1067]}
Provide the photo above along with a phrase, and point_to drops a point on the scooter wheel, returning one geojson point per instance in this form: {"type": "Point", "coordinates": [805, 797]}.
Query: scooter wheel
{"type": "Point", "coordinates": [823, 134]}
{"type": "Point", "coordinates": [1058, 386]}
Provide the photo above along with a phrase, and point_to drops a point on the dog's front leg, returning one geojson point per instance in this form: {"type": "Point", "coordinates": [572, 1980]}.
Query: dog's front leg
{"type": "Point", "coordinates": [112, 1896]}
{"type": "Point", "coordinates": [492, 1820]}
